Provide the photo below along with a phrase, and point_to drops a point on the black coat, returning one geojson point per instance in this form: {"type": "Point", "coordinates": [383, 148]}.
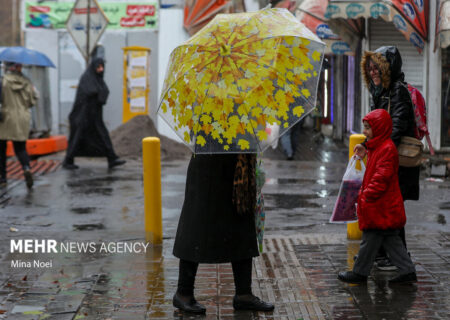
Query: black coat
{"type": "Point", "coordinates": [396, 91]}
{"type": "Point", "coordinates": [88, 134]}
{"type": "Point", "coordinates": [210, 230]}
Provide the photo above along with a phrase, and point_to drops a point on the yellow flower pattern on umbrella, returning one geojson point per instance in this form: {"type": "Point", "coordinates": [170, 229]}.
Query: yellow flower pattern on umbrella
{"type": "Point", "coordinates": [236, 76]}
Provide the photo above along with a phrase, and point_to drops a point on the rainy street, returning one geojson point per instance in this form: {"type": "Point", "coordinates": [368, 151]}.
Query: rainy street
{"type": "Point", "coordinates": [225, 159]}
{"type": "Point", "coordinates": [297, 269]}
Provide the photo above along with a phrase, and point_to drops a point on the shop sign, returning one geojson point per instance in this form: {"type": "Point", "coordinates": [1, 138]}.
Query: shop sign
{"type": "Point", "coordinates": [141, 10]}
{"type": "Point", "coordinates": [354, 9]}
{"type": "Point", "coordinates": [340, 47]}
{"type": "Point", "coordinates": [399, 22]}
{"type": "Point", "coordinates": [121, 15]}
{"type": "Point", "coordinates": [379, 9]}
{"type": "Point", "coordinates": [408, 9]}
{"type": "Point", "coordinates": [131, 22]}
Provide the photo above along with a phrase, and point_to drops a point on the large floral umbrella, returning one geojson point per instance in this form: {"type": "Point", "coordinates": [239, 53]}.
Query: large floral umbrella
{"type": "Point", "coordinates": [240, 76]}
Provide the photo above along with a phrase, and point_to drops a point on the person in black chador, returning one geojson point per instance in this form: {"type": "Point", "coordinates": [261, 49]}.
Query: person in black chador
{"type": "Point", "coordinates": [217, 225]}
{"type": "Point", "coordinates": [88, 134]}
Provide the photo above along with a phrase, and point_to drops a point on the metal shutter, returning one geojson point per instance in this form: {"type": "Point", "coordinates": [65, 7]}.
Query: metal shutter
{"type": "Point", "coordinates": [384, 33]}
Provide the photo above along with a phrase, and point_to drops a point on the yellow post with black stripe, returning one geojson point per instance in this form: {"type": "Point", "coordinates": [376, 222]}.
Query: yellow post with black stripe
{"type": "Point", "coordinates": [152, 189]}
{"type": "Point", "coordinates": [353, 231]}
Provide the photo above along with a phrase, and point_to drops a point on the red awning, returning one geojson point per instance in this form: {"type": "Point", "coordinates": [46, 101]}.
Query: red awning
{"type": "Point", "coordinates": [408, 16]}
{"type": "Point", "coordinates": [443, 25]}
{"type": "Point", "coordinates": [199, 12]}
{"type": "Point", "coordinates": [312, 14]}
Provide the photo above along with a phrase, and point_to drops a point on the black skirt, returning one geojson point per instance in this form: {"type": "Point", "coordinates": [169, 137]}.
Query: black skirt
{"type": "Point", "coordinates": [210, 230]}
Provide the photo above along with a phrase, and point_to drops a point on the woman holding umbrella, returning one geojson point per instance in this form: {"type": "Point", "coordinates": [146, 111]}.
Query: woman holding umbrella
{"type": "Point", "coordinates": [217, 225]}
{"type": "Point", "coordinates": [18, 96]}
{"type": "Point", "coordinates": [224, 87]}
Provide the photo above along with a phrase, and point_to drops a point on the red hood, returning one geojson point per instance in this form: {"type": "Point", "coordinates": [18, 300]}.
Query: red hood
{"type": "Point", "coordinates": [381, 123]}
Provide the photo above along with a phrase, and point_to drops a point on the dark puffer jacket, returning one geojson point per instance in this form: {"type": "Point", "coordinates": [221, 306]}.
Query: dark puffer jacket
{"type": "Point", "coordinates": [380, 205]}
{"type": "Point", "coordinates": [395, 90]}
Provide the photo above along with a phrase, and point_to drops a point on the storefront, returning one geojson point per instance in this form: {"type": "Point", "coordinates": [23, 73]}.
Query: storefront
{"type": "Point", "coordinates": [443, 43]}
{"type": "Point", "coordinates": [405, 24]}
{"type": "Point", "coordinates": [338, 93]}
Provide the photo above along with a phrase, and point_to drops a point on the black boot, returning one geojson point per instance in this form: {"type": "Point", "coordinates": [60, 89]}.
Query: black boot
{"type": "Point", "coordinates": [188, 304]}
{"type": "Point", "coordinates": [351, 277]}
{"type": "Point", "coordinates": [116, 162]}
{"type": "Point", "coordinates": [251, 302]}
{"type": "Point", "coordinates": [69, 165]}
{"type": "Point", "coordinates": [28, 177]}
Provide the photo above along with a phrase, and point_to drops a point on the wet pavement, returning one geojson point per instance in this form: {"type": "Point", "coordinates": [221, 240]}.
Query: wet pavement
{"type": "Point", "coordinates": [297, 270]}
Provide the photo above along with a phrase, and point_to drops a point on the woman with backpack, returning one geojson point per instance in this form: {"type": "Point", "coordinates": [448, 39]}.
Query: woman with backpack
{"type": "Point", "coordinates": [383, 76]}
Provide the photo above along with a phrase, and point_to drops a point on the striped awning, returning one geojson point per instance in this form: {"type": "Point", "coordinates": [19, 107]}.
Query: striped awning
{"type": "Point", "coordinates": [408, 16]}
{"type": "Point", "coordinates": [197, 13]}
{"type": "Point", "coordinates": [443, 26]}
{"type": "Point", "coordinates": [312, 14]}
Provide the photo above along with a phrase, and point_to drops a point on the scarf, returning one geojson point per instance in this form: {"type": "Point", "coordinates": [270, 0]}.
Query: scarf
{"type": "Point", "coordinates": [244, 183]}
{"type": "Point", "coordinates": [375, 90]}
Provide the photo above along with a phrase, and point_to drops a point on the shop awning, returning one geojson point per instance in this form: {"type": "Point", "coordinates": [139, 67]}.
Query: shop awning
{"type": "Point", "coordinates": [312, 14]}
{"type": "Point", "coordinates": [408, 16]}
{"type": "Point", "coordinates": [199, 12]}
{"type": "Point", "coordinates": [443, 27]}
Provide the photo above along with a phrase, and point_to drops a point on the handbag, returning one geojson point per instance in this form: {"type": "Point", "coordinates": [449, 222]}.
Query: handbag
{"type": "Point", "coordinates": [409, 150]}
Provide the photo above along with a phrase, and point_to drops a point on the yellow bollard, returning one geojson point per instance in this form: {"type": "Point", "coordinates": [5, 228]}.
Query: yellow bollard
{"type": "Point", "coordinates": [353, 232]}
{"type": "Point", "coordinates": [152, 189]}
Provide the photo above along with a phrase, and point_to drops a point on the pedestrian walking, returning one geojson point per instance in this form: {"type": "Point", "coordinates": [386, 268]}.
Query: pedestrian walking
{"type": "Point", "coordinates": [217, 225]}
{"type": "Point", "coordinates": [286, 144]}
{"type": "Point", "coordinates": [383, 76]}
{"type": "Point", "coordinates": [18, 95]}
{"type": "Point", "coordinates": [88, 134]}
{"type": "Point", "coordinates": [380, 209]}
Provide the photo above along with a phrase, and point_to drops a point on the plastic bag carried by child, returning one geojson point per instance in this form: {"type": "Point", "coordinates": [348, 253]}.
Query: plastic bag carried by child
{"type": "Point", "coordinates": [345, 206]}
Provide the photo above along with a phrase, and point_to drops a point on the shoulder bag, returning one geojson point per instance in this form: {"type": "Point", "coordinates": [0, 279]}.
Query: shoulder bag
{"type": "Point", "coordinates": [409, 150]}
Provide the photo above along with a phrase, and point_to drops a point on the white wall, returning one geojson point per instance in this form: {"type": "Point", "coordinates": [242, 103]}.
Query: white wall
{"type": "Point", "coordinates": [171, 35]}
{"type": "Point", "coordinates": [433, 97]}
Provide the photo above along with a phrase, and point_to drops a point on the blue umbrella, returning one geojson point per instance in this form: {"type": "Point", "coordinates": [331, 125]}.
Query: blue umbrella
{"type": "Point", "coordinates": [25, 56]}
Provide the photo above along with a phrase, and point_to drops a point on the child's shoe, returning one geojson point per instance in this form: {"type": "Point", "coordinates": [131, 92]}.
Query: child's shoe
{"type": "Point", "coordinates": [351, 277]}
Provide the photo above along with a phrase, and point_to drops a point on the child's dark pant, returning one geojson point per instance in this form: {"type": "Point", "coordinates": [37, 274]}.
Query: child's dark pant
{"type": "Point", "coordinates": [390, 240]}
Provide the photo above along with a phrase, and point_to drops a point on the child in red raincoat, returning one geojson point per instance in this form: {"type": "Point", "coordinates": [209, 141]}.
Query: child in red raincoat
{"type": "Point", "coordinates": [381, 213]}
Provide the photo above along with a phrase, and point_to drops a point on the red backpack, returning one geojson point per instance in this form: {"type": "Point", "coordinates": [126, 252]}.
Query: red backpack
{"type": "Point", "coordinates": [420, 115]}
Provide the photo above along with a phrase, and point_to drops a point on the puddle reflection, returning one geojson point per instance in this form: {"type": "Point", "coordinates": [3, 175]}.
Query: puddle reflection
{"type": "Point", "coordinates": [381, 301]}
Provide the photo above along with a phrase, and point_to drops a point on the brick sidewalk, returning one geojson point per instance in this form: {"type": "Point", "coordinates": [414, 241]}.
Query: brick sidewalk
{"type": "Point", "coordinates": [297, 273]}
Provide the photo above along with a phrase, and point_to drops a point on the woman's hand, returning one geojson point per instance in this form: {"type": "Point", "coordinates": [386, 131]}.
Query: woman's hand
{"type": "Point", "coordinates": [360, 151]}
